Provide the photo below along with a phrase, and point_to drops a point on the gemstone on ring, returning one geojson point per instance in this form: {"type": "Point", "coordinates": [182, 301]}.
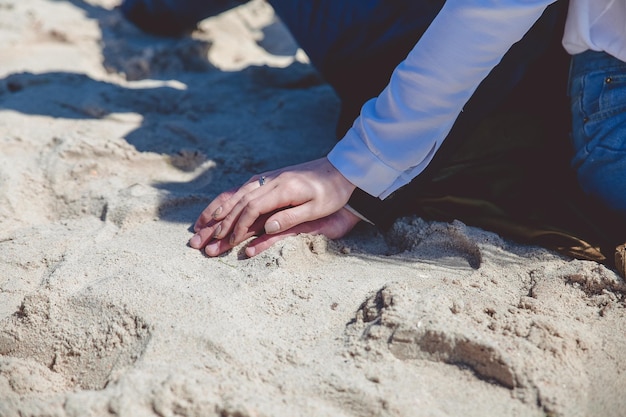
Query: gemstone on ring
{"type": "Point", "coordinates": [261, 180]}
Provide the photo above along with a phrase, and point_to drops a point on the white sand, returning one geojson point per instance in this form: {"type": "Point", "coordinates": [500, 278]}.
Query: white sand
{"type": "Point", "coordinates": [113, 141]}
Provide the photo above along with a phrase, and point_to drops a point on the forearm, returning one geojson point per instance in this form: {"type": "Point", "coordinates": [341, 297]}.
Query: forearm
{"type": "Point", "coordinates": [399, 132]}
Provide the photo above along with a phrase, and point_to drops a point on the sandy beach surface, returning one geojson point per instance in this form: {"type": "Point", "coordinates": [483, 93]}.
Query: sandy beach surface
{"type": "Point", "coordinates": [112, 143]}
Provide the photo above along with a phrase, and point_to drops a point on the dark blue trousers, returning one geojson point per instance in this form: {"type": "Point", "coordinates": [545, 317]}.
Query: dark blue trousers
{"type": "Point", "coordinates": [356, 44]}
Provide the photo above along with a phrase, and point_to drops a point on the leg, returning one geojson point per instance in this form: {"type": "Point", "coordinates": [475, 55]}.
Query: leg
{"type": "Point", "coordinates": [172, 17]}
{"type": "Point", "coordinates": [356, 44]}
{"type": "Point", "coordinates": [598, 102]}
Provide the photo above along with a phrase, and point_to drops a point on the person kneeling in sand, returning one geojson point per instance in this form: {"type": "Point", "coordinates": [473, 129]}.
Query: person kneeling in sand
{"type": "Point", "coordinates": [413, 75]}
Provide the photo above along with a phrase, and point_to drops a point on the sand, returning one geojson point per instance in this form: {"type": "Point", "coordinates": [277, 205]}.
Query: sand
{"type": "Point", "coordinates": [112, 143]}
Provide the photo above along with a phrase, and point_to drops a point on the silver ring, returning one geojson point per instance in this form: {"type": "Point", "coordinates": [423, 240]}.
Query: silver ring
{"type": "Point", "coordinates": [261, 180]}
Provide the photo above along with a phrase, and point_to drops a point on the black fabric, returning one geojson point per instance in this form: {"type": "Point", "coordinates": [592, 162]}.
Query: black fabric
{"type": "Point", "coordinates": [531, 79]}
{"type": "Point", "coordinates": [169, 18]}
{"type": "Point", "coordinates": [505, 167]}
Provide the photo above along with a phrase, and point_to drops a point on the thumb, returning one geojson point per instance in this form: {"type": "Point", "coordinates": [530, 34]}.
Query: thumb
{"type": "Point", "coordinates": [289, 218]}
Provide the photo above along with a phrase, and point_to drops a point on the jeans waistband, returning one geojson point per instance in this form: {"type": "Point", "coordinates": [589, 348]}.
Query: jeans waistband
{"type": "Point", "coordinates": [590, 61]}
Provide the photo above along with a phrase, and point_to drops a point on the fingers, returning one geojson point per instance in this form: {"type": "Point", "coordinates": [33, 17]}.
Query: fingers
{"type": "Point", "coordinates": [278, 194]}
{"type": "Point", "coordinates": [222, 205]}
{"type": "Point", "coordinates": [333, 226]}
{"type": "Point", "coordinates": [217, 247]}
{"type": "Point", "coordinates": [288, 218]}
{"type": "Point", "coordinates": [205, 234]}
{"type": "Point", "coordinates": [206, 239]}
{"type": "Point", "coordinates": [226, 207]}
{"type": "Point", "coordinates": [295, 195]}
{"type": "Point", "coordinates": [263, 242]}
{"type": "Point", "coordinates": [207, 215]}
{"type": "Point", "coordinates": [274, 199]}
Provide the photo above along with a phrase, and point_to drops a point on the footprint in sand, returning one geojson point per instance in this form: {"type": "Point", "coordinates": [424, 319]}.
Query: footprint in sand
{"type": "Point", "coordinates": [444, 244]}
{"type": "Point", "coordinates": [68, 344]}
{"type": "Point", "coordinates": [474, 331]}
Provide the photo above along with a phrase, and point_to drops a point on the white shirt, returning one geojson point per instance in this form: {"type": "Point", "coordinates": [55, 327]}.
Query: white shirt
{"type": "Point", "coordinates": [398, 133]}
{"type": "Point", "coordinates": [599, 25]}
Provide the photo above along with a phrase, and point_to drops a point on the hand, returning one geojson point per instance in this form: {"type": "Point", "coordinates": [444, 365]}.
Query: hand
{"type": "Point", "coordinates": [333, 226]}
{"type": "Point", "coordinates": [290, 197]}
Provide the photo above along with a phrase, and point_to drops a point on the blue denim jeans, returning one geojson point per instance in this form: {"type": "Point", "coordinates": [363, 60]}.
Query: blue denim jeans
{"type": "Point", "coordinates": [598, 102]}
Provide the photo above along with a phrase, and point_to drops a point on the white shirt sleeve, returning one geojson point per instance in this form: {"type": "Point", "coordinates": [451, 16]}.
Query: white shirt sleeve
{"type": "Point", "coordinates": [398, 133]}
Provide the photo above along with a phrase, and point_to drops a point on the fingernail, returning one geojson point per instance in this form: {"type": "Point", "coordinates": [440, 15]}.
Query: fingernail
{"type": "Point", "coordinates": [195, 241]}
{"type": "Point", "coordinates": [217, 212]}
{"type": "Point", "coordinates": [250, 251]}
{"type": "Point", "coordinates": [218, 229]}
{"type": "Point", "coordinates": [272, 227]}
{"type": "Point", "coordinates": [231, 241]}
{"type": "Point", "coordinates": [212, 249]}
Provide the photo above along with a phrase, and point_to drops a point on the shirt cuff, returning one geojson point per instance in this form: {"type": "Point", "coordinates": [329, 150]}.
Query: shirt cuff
{"type": "Point", "coordinates": [360, 166]}
{"type": "Point", "coordinates": [359, 215]}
